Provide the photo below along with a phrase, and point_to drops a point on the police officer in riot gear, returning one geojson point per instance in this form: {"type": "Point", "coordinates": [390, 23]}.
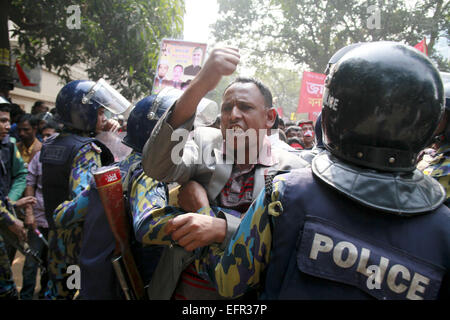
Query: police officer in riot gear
{"type": "Point", "coordinates": [66, 162]}
{"type": "Point", "coordinates": [308, 155]}
{"type": "Point", "coordinates": [363, 222]}
{"type": "Point", "coordinates": [98, 280]}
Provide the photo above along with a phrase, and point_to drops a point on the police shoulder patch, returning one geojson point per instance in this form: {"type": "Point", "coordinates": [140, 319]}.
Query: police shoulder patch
{"type": "Point", "coordinates": [326, 251]}
{"type": "Point", "coordinates": [54, 154]}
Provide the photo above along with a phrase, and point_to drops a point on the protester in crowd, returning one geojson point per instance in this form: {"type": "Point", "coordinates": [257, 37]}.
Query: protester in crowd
{"type": "Point", "coordinates": [67, 159]}
{"type": "Point", "coordinates": [308, 155]}
{"type": "Point", "coordinates": [43, 120]}
{"type": "Point", "coordinates": [97, 275]}
{"type": "Point", "coordinates": [36, 220]}
{"type": "Point", "coordinates": [49, 129]}
{"type": "Point", "coordinates": [13, 173]}
{"type": "Point", "coordinates": [29, 144]}
{"type": "Point", "coordinates": [307, 127]}
{"type": "Point", "coordinates": [294, 137]}
{"type": "Point", "coordinates": [12, 184]}
{"type": "Point", "coordinates": [288, 124]}
{"type": "Point", "coordinates": [246, 109]}
{"type": "Point", "coordinates": [16, 112]}
{"type": "Point", "coordinates": [347, 228]}
{"type": "Point", "coordinates": [277, 137]}
{"type": "Point", "coordinates": [39, 107]}
{"type": "Point", "coordinates": [294, 132]}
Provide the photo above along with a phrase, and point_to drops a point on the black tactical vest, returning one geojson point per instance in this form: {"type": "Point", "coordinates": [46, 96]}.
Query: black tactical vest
{"type": "Point", "coordinates": [57, 156]}
{"type": "Point", "coordinates": [326, 246]}
{"type": "Point", "coordinates": [6, 154]}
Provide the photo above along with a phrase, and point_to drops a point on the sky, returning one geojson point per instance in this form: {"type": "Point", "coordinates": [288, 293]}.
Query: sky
{"type": "Point", "coordinates": [199, 15]}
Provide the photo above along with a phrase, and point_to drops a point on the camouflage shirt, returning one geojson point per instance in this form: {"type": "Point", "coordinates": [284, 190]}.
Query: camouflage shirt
{"type": "Point", "coordinates": [240, 267]}
{"type": "Point", "coordinates": [437, 165]}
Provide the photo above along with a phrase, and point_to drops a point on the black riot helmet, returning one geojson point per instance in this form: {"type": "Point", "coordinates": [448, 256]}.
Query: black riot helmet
{"type": "Point", "coordinates": [339, 54]}
{"type": "Point", "coordinates": [381, 104]}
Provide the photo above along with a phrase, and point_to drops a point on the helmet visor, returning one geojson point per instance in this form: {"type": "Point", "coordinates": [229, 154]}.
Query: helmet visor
{"type": "Point", "coordinates": [4, 101]}
{"type": "Point", "coordinates": [107, 97]}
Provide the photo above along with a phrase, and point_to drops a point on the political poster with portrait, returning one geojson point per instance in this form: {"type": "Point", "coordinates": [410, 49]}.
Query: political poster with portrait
{"type": "Point", "coordinates": [311, 94]}
{"type": "Point", "coordinates": [179, 62]}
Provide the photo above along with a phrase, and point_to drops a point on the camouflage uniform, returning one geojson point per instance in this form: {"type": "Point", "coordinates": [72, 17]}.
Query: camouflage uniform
{"type": "Point", "coordinates": [64, 243]}
{"type": "Point", "coordinates": [13, 184]}
{"type": "Point", "coordinates": [240, 268]}
{"type": "Point", "coordinates": [437, 165]}
{"type": "Point", "coordinates": [251, 249]}
{"type": "Point", "coordinates": [7, 285]}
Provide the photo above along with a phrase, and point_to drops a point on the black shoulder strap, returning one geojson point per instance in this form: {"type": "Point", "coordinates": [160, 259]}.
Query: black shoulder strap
{"type": "Point", "coordinates": [268, 183]}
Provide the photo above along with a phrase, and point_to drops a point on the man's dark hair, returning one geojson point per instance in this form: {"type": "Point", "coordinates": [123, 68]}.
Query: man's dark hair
{"type": "Point", "coordinates": [52, 125]}
{"type": "Point", "coordinates": [292, 128]}
{"type": "Point", "coordinates": [276, 123]}
{"type": "Point", "coordinates": [5, 108]}
{"type": "Point", "coordinates": [282, 136]}
{"type": "Point", "coordinates": [33, 120]}
{"type": "Point", "coordinates": [36, 105]}
{"type": "Point", "coordinates": [16, 112]}
{"type": "Point", "coordinates": [265, 91]}
{"type": "Point", "coordinates": [178, 65]}
{"type": "Point", "coordinates": [289, 123]}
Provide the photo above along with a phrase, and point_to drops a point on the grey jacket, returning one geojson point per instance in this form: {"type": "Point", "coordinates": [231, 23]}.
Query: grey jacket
{"type": "Point", "coordinates": [202, 158]}
{"type": "Point", "coordinates": [199, 158]}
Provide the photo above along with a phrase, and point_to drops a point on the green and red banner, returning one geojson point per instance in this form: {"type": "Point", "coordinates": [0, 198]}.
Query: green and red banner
{"type": "Point", "coordinates": [311, 94]}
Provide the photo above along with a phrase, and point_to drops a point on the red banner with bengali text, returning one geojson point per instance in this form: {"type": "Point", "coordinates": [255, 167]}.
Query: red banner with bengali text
{"type": "Point", "coordinates": [311, 94]}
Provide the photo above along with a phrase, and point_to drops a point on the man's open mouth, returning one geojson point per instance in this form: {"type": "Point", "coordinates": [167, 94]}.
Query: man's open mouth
{"type": "Point", "coordinates": [236, 130]}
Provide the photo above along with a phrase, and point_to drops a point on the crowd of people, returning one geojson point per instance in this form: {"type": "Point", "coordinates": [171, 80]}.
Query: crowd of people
{"type": "Point", "coordinates": [245, 206]}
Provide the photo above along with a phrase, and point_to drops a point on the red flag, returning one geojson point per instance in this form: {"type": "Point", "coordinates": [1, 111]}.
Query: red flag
{"type": "Point", "coordinates": [23, 77]}
{"type": "Point", "coordinates": [280, 112]}
{"type": "Point", "coordinates": [311, 94]}
{"type": "Point", "coordinates": [422, 46]}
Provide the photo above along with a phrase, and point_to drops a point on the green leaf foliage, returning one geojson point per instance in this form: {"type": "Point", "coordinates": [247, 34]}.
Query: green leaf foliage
{"type": "Point", "coordinates": [308, 32]}
{"type": "Point", "coordinates": [117, 39]}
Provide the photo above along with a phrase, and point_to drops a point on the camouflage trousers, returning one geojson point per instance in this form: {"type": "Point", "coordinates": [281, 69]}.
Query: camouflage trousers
{"type": "Point", "coordinates": [63, 252]}
{"type": "Point", "coordinates": [7, 286]}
